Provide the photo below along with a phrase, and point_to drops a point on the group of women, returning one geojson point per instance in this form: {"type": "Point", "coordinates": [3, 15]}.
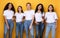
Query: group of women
{"type": "Point", "coordinates": [24, 20]}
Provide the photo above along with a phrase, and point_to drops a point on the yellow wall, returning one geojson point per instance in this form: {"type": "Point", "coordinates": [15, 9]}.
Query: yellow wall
{"type": "Point", "coordinates": [16, 3]}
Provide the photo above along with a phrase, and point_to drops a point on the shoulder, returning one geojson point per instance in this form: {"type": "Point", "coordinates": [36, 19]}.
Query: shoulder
{"type": "Point", "coordinates": [46, 13]}
{"type": "Point", "coordinates": [5, 10]}
{"type": "Point", "coordinates": [16, 13]}
{"type": "Point", "coordinates": [54, 12]}
{"type": "Point", "coordinates": [25, 11]}
{"type": "Point", "coordinates": [32, 10]}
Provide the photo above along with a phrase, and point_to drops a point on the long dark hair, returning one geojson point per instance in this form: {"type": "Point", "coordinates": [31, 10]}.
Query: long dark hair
{"type": "Point", "coordinates": [21, 9]}
{"type": "Point", "coordinates": [42, 9]}
{"type": "Point", "coordinates": [52, 7]}
{"type": "Point", "coordinates": [6, 7]}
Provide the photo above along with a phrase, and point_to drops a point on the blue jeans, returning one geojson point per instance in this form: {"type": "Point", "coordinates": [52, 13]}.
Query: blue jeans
{"type": "Point", "coordinates": [39, 29]}
{"type": "Point", "coordinates": [49, 27]}
{"type": "Point", "coordinates": [19, 28]}
{"type": "Point", "coordinates": [26, 25]}
{"type": "Point", "coordinates": [11, 25]}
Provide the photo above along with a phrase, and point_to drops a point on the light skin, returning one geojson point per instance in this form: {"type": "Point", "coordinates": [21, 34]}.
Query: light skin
{"type": "Point", "coordinates": [19, 9]}
{"type": "Point", "coordinates": [29, 8]}
{"type": "Point", "coordinates": [39, 11]}
{"type": "Point", "coordinates": [9, 7]}
{"type": "Point", "coordinates": [50, 10]}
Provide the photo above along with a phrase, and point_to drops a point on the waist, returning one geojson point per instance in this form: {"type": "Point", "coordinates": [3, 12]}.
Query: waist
{"type": "Point", "coordinates": [28, 18]}
{"type": "Point", "coordinates": [8, 17]}
{"type": "Point", "coordinates": [18, 20]}
{"type": "Point", "coordinates": [50, 21]}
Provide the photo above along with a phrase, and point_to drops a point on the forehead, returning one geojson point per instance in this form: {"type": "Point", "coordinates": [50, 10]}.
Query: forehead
{"type": "Point", "coordinates": [28, 4]}
{"type": "Point", "coordinates": [39, 5]}
{"type": "Point", "coordinates": [10, 4]}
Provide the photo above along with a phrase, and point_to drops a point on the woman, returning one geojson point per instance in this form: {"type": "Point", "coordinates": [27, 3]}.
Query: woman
{"type": "Point", "coordinates": [8, 14]}
{"type": "Point", "coordinates": [19, 21]}
{"type": "Point", "coordinates": [29, 18]}
{"type": "Point", "coordinates": [51, 20]}
{"type": "Point", "coordinates": [39, 19]}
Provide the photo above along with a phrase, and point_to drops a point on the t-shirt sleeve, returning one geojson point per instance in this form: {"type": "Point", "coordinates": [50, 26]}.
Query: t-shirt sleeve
{"type": "Point", "coordinates": [4, 14]}
{"type": "Point", "coordinates": [43, 14]}
{"type": "Point", "coordinates": [15, 14]}
{"type": "Point", "coordinates": [55, 16]}
{"type": "Point", "coordinates": [33, 12]}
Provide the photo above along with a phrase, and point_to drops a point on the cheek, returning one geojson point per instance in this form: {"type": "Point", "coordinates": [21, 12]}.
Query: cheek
{"type": "Point", "coordinates": [10, 6]}
{"type": "Point", "coordinates": [19, 9]}
{"type": "Point", "coordinates": [50, 8]}
{"type": "Point", "coordinates": [28, 6]}
{"type": "Point", "coordinates": [39, 7]}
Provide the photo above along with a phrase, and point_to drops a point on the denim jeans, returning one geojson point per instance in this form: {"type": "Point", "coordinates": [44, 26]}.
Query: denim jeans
{"type": "Point", "coordinates": [11, 25]}
{"type": "Point", "coordinates": [49, 27]}
{"type": "Point", "coordinates": [19, 28]}
{"type": "Point", "coordinates": [39, 29]}
{"type": "Point", "coordinates": [26, 25]}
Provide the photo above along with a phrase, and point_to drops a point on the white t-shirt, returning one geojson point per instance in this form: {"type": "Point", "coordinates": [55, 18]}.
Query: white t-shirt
{"type": "Point", "coordinates": [8, 14]}
{"type": "Point", "coordinates": [19, 17]}
{"type": "Point", "coordinates": [28, 14]}
{"type": "Point", "coordinates": [38, 17]}
{"type": "Point", "coordinates": [51, 17]}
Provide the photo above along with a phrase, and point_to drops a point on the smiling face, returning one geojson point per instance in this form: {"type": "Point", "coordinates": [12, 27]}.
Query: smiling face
{"type": "Point", "coordinates": [50, 8]}
{"type": "Point", "coordinates": [9, 6]}
{"type": "Point", "coordinates": [28, 6]}
{"type": "Point", "coordinates": [39, 7]}
{"type": "Point", "coordinates": [19, 9]}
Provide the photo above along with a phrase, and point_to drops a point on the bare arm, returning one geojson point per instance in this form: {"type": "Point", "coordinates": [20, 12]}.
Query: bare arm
{"type": "Point", "coordinates": [31, 22]}
{"type": "Point", "coordinates": [23, 19]}
{"type": "Point", "coordinates": [6, 22]}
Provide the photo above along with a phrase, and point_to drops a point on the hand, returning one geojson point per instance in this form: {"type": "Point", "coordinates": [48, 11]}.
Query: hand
{"type": "Point", "coordinates": [13, 18]}
{"type": "Point", "coordinates": [8, 27]}
{"type": "Point", "coordinates": [36, 23]}
{"type": "Point", "coordinates": [42, 20]}
{"type": "Point", "coordinates": [30, 27]}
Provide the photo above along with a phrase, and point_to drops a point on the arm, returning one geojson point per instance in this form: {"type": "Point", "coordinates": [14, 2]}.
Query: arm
{"type": "Point", "coordinates": [31, 22]}
{"type": "Point", "coordinates": [56, 18]}
{"type": "Point", "coordinates": [6, 22]}
{"type": "Point", "coordinates": [43, 15]}
{"type": "Point", "coordinates": [56, 23]}
{"type": "Point", "coordinates": [23, 19]}
{"type": "Point", "coordinates": [43, 19]}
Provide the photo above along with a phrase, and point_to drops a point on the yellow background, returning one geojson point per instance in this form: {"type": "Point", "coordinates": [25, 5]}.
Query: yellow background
{"type": "Point", "coordinates": [16, 3]}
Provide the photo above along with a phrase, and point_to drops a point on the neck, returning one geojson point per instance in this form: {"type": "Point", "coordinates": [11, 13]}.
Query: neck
{"type": "Point", "coordinates": [9, 9]}
{"type": "Point", "coordinates": [50, 11]}
{"type": "Point", "coordinates": [29, 9]}
{"type": "Point", "coordinates": [39, 11]}
{"type": "Point", "coordinates": [19, 11]}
